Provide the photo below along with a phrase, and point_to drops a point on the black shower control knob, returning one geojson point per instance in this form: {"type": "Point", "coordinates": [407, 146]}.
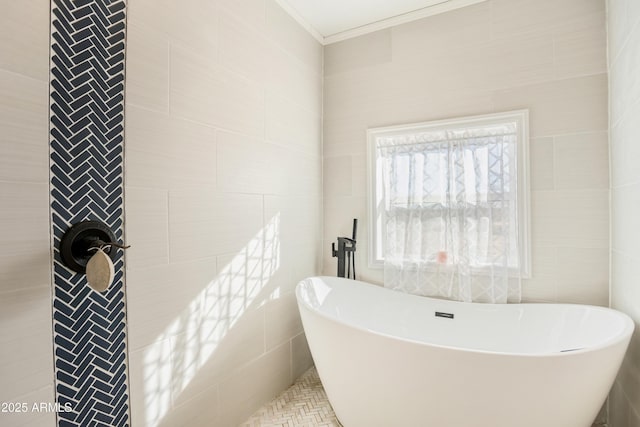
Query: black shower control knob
{"type": "Point", "coordinates": [78, 241]}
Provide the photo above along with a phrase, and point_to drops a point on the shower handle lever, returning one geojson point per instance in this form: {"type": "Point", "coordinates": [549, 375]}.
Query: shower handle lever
{"type": "Point", "coordinates": [99, 244]}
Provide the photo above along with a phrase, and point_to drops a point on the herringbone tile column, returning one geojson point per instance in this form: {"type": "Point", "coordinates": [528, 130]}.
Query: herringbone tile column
{"type": "Point", "coordinates": [87, 125]}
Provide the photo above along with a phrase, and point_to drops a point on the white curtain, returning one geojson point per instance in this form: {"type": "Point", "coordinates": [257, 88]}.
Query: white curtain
{"type": "Point", "coordinates": [450, 214]}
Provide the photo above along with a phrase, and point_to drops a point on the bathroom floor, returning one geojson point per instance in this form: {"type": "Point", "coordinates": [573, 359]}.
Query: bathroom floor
{"type": "Point", "coordinates": [303, 404]}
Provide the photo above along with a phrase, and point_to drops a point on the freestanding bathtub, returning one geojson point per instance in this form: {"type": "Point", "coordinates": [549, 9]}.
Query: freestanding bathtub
{"type": "Point", "coordinates": [390, 359]}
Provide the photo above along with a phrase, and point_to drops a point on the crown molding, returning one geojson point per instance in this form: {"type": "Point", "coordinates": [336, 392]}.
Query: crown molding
{"type": "Point", "coordinates": [284, 4]}
{"type": "Point", "coordinates": [444, 6]}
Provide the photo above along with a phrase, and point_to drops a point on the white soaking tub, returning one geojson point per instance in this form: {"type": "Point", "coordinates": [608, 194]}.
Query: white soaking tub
{"type": "Point", "coordinates": [390, 359]}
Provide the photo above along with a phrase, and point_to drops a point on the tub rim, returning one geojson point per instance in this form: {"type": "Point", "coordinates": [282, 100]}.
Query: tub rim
{"type": "Point", "coordinates": [624, 335]}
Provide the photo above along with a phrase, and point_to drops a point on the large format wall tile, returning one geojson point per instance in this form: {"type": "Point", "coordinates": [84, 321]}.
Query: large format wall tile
{"type": "Point", "coordinates": [23, 142]}
{"type": "Point", "coordinates": [221, 98]}
{"type": "Point", "coordinates": [24, 49]}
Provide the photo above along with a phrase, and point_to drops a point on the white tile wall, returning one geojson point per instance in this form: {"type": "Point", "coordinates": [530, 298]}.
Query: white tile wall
{"type": "Point", "coordinates": [582, 161]}
{"type": "Point", "coordinates": [223, 205]}
{"type": "Point", "coordinates": [243, 48]}
{"type": "Point", "coordinates": [32, 418]}
{"type": "Point", "coordinates": [292, 126]}
{"type": "Point", "coordinates": [243, 344]}
{"type": "Point", "coordinates": [24, 47]}
{"type": "Point", "coordinates": [251, 165]}
{"type": "Point", "coordinates": [493, 56]}
{"type": "Point", "coordinates": [624, 78]}
{"type": "Point", "coordinates": [147, 222]}
{"type": "Point", "coordinates": [280, 328]}
{"type": "Point", "coordinates": [358, 53]}
{"type": "Point", "coordinates": [203, 223]}
{"type": "Point", "coordinates": [252, 12]}
{"type": "Point", "coordinates": [580, 52]}
{"type": "Point", "coordinates": [25, 333]}
{"type": "Point", "coordinates": [337, 177]}
{"type": "Point", "coordinates": [193, 24]}
{"type": "Point", "coordinates": [527, 16]}
{"type": "Point", "coordinates": [164, 294]}
{"type": "Point", "coordinates": [24, 120]}
{"type": "Point", "coordinates": [163, 145]}
{"type": "Point", "coordinates": [415, 41]}
{"type": "Point", "coordinates": [26, 352]}
{"type": "Point", "coordinates": [287, 76]}
{"type": "Point", "coordinates": [520, 60]}
{"type": "Point", "coordinates": [563, 218]}
{"type": "Point", "coordinates": [541, 163]}
{"type": "Point", "coordinates": [224, 167]}
{"type": "Point", "coordinates": [624, 100]}
{"type": "Point", "coordinates": [559, 107]}
{"type": "Point", "coordinates": [222, 98]}
{"type": "Point", "coordinates": [624, 152]}
{"type": "Point", "coordinates": [147, 68]}
{"type": "Point", "coordinates": [245, 389]}
{"type": "Point", "coordinates": [301, 355]}
{"type": "Point", "coordinates": [290, 36]}
{"type": "Point", "coordinates": [24, 203]}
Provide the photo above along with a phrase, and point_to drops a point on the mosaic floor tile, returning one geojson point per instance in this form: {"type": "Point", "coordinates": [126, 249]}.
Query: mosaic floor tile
{"type": "Point", "coordinates": [304, 404]}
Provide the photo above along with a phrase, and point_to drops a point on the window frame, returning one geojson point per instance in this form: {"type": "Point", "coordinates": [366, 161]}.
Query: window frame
{"type": "Point", "coordinates": [521, 117]}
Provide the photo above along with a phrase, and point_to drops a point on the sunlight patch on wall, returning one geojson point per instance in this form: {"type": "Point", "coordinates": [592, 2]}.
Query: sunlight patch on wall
{"type": "Point", "coordinates": [207, 320]}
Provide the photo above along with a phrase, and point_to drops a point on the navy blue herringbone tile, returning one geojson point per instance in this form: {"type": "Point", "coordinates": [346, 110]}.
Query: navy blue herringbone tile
{"type": "Point", "coordinates": [87, 119]}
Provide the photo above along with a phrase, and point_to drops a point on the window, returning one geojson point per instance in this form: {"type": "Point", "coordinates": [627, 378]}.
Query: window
{"type": "Point", "coordinates": [467, 175]}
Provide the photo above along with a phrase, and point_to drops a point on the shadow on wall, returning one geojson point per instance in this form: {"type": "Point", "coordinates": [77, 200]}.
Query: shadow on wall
{"type": "Point", "coordinates": [174, 360]}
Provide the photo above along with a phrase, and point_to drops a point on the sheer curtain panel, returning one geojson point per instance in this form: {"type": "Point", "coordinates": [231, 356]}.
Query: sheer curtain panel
{"type": "Point", "coordinates": [450, 212]}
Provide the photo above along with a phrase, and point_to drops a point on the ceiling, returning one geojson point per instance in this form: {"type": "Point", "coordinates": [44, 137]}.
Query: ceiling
{"type": "Point", "coordinates": [333, 20]}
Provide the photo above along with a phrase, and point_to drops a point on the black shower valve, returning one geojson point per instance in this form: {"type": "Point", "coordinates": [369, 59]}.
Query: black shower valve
{"type": "Point", "coordinates": [79, 242]}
